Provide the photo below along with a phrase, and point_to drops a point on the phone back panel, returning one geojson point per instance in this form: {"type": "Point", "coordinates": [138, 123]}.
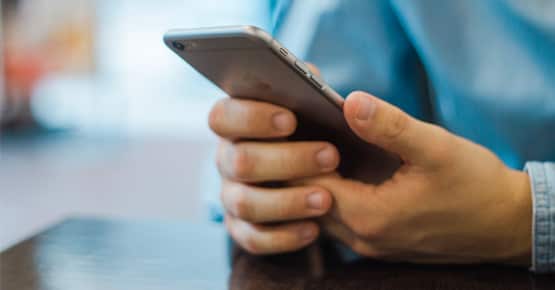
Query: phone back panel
{"type": "Point", "coordinates": [249, 65]}
{"type": "Point", "coordinates": [246, 66]}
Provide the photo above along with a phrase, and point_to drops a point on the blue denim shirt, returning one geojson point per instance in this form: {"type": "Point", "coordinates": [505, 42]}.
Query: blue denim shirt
{"type": "Point", "coordinates": [485, 70]}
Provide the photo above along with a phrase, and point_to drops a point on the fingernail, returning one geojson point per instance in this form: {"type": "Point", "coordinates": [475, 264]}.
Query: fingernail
{"type": "Point", "coordinates": [282, 122]}
{"type": "Point", "coordinates": [315, 200]}
{"type": "Point", "coordinates": [326, 158]}
{"type": "Point", "coordinates": [366, 108]}
{"type": "Point", "coordinates": [307, 233]}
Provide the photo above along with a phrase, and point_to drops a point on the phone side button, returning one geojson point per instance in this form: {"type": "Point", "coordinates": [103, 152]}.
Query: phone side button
{"type": "Point", "coordinates": [317, 81]}
{"type": "Point", "coordinates": [301, 67]}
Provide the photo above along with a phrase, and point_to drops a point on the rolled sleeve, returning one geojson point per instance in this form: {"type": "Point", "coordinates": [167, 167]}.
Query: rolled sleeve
{"type": "Point", "coordinates": [542, 177]}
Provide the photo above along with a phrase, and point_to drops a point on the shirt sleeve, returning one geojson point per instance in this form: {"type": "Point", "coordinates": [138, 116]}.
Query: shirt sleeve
{"type": "Point", "coordinates": [542, 177]}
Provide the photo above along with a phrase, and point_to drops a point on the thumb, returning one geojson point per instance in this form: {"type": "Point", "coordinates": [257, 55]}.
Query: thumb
{"type": "Point", "coordinates": [386, 126]}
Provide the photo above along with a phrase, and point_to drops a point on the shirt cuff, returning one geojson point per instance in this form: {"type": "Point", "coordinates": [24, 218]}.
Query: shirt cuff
{"type": "Point", "coordinates": [542, 179]}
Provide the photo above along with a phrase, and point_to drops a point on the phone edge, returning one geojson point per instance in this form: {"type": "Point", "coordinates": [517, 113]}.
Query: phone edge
{"type": "Point", "coordinates": [259, 35]}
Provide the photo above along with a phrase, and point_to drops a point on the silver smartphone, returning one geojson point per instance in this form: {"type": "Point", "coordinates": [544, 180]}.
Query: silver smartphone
{"type": "Point", "coordinates": [246, 62]}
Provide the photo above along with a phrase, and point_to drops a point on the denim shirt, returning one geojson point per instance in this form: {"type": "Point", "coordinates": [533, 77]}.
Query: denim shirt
{"type": "Point", "coordinates": [485, 70]}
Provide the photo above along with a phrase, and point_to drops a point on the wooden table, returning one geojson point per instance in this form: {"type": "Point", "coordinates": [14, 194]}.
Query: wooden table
{"type": "Point", "coordinates": [100, 254]}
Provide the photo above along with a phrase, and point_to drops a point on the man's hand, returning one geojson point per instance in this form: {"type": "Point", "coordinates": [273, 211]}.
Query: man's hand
{"type": "Point", "coordinates": [248, 155]}
{"type": "Point", "coordinates": [452, 201]}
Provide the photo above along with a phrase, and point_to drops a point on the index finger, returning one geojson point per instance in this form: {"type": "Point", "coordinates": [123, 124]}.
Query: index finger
{"type": "Point", "coordinates": [242, 119]}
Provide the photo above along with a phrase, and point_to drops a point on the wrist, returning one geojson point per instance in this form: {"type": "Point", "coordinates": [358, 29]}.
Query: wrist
{"type": "Point", "coordinates": [520, 227]}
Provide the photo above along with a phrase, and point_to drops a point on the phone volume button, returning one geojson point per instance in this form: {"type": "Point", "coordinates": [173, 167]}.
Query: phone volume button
{"type": "Point", "coordinates": [302, 67]}
{"type": "Point", "coordinates": [317, 81]}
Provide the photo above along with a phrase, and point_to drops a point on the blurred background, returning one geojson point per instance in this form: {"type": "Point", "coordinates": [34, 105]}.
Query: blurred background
{"type": "Point", "coordinates": [97, 117]}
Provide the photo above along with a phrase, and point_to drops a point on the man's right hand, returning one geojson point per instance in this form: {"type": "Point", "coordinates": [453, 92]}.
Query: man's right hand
{"type": "Point", "coordinates": [252, 150]}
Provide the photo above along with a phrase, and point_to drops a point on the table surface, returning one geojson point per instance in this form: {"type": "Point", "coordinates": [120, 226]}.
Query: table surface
{"type": "Point", "coordinates": [101, 254]}
{"type": "Point", "coordinates": [47, 177]}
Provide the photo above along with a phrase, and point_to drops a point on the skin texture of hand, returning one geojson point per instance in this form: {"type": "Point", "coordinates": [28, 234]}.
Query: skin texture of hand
{"type": "Point", "coordinates": [244, 164]}
{"type": "Point", "coordinates": [452, 201]}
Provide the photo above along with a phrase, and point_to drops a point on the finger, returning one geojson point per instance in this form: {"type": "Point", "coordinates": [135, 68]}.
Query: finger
{"type": "Point", "coordinates": [351, 199]}
{"type": "Point", "coordinates": [338, 231]}
{"type": "Point", "coordinates": [260, 205]}
{"type": "Point", "coordinates": [386, 126]}
{"type": "Point", "coordinates": [265, 239]}
{"type": "Point", "coordinates": [364, 209]}
{"type": "Point", "coordinates": [234, 118]}
{"type": "Point", "coordinates": [278, 161]}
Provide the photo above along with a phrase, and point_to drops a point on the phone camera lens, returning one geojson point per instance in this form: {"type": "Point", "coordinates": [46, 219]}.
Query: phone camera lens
{"type": "Point", "coordinates": [178, 45]}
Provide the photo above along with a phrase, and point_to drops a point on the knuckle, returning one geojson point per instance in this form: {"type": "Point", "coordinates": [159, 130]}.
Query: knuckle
{"type": "Point", "coordinates": [444, 143]}
{"type": "Point", "coordinates": [250, 244]}
{"type": "Point", "coordinates": [215, 115]}
{"type": "Point", "coordinates": [396, 126]}
{"type": "Point", "coordinates": [220, 158]}
{"type": "Point", "coordinates": [373, 231]}
{"type": "Point", "coordinates": [240, 163]}
{"type": "Point", "coordinates": [241, 206]}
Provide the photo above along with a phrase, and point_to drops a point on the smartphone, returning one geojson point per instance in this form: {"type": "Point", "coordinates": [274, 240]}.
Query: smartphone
{"type": "Point", "coordinates": [246, 62]}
